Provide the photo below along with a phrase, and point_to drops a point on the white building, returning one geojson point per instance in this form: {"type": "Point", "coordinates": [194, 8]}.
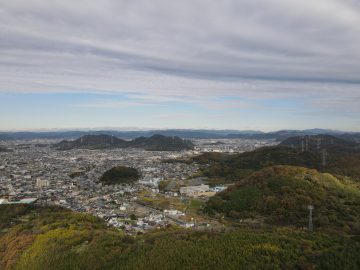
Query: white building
{"type": "Point", "coordinates": [42, 183]}
{"type": "Point", "coordinates": [22, 201]}
{"type": "Point", "coordinates": [194, 191]}
{"type": "Point", "coordinates": [173, 212]}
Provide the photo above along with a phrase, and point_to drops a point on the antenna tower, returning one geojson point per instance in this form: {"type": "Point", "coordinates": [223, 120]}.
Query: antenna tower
{"type": "Point", "coordinates": [310, 207]}
{"type": "Point", "coordinates": [323, 157]}
{"type": "Point", "coordinates": [318, 143]}
{"type": "Point", "coordinates": [302, 146]}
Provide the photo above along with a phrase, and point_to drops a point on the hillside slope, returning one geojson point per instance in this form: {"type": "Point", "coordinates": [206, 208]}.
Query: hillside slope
{"type": "Point", "coordinates": [318, 143]}
{"type": "Point", "coordinates": [91, 142]}
{"type": "Point", "coordinates": [153, 143]}
{"type": "Point", "coordinates": [280, 195]}
{"type": "Point", "coordinates": [340, 158]}
{"type": "Point", "coordinates": [160, 143]}
{"type": "Point", "coordinates": [57, 239]}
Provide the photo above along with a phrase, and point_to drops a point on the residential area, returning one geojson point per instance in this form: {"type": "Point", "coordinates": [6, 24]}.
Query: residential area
{"type": "Point", "coordinates": [33, 172]}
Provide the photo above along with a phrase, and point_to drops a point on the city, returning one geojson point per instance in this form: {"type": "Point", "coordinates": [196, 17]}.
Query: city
{"type": "Point", "coordinates": [34, 172]}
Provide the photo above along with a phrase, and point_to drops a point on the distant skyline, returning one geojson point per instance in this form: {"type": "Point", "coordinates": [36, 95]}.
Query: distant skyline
{"type": "Point", "coordinates": [234, 64]}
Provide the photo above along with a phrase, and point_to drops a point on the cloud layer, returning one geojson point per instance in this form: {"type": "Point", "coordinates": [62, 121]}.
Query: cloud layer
{"type": "Point", "coordinates": [186, 51]}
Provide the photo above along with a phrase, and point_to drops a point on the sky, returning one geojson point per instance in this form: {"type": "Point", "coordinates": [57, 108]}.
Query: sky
{"type": "Point", "coordinates": [226, 64]}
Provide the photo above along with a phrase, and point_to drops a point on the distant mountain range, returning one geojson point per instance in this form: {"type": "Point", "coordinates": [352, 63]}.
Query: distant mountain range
{"type": "Point", "coordinates": [153, 143]}
{"type": "Point", "coordinates": [182, 133]}
{"type": "Point", "coordinates": [285, 134]}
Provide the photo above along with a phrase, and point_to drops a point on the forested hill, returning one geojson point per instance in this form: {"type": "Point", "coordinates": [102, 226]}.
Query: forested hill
{"type": "Point", "coordinates": [280, 195]}
{"type": "Point", "coordinates": [321, 142]}
{"type": "Point", "coordinates": [91, 142]}
{"type": "Point", "coordinates": [161, 143]}
{"type": "Point", "coordinates": [33, 238]}
{"type": "Point", "coordinates": [120, 175]}
{"type": "Point", "coordinates": [333, 155]}
{"type": "Point", "coordinates": [153, 143]}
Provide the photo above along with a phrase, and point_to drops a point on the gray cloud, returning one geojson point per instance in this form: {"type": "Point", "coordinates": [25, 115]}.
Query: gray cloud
{"type": "Point", "coordinates": [259, 49]}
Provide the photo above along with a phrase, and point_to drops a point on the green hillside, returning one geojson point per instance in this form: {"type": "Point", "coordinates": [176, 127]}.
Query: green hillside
{"type": "Point", "coordinates": [102, 141]}
{"type": "Point", "coordinates": [120, 175]}
{"type": "Point", "coordinates": [230, 168]}
{"type": "Point", "coordinates": [320, 142]}
{"type": "Point", "coordinates": [58, 239]}
{"type": "Point", "coordinates": [161, 143]}
{"type": "Point", "coordinates": [280, 195]}
{"type": "Point", "coordinates": [234, 167]}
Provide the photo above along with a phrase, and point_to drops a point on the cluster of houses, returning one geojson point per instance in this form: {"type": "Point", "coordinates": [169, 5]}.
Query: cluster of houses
{"type": "Point", "coordinates": [71, 179]}
{"type": "Point", "coordinates": [231, 145]}
{"type": "Point", "coordinates": [200, 191]}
